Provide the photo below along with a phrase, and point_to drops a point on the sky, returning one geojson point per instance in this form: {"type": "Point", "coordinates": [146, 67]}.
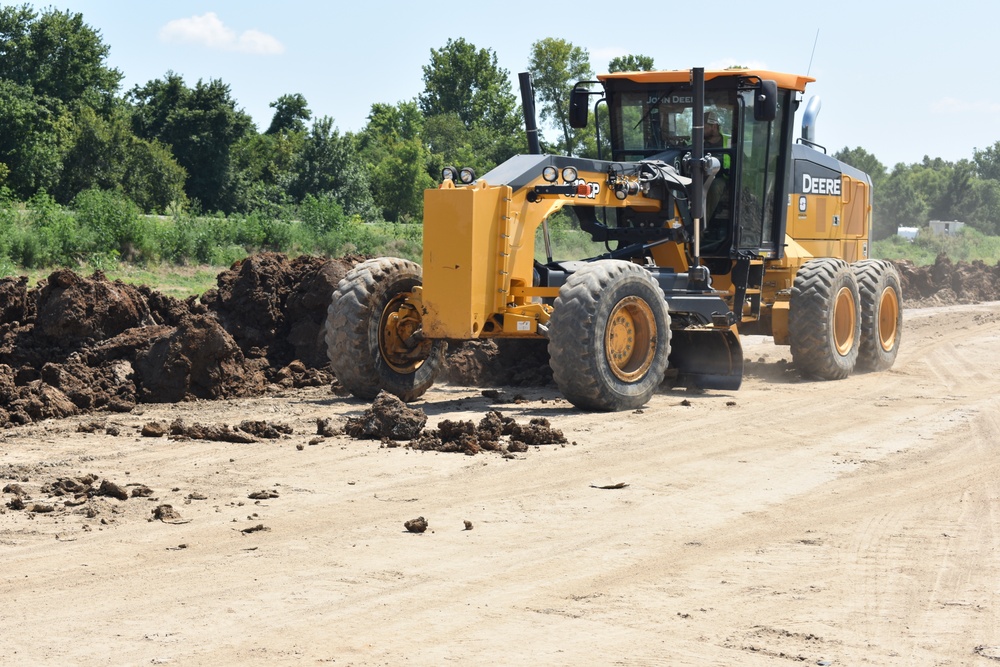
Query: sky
{"type": "Point", "coordinates": [901, 80]}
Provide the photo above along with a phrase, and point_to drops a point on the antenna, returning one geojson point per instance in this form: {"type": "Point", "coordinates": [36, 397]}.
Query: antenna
{"type": "Point", "coordinates": [809, 69]}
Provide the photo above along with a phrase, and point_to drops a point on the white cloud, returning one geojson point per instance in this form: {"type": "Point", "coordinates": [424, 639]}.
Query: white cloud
{"type": "Point", "coordinates": [209, 31]}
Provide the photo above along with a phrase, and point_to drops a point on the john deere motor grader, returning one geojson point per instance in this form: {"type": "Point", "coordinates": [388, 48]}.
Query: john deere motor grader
{"type": "Point", "coordinates": [747, 231]}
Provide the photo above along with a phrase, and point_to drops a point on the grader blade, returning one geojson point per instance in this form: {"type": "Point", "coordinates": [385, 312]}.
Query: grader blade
{"type": "Point", "coordinates": [707, 358]}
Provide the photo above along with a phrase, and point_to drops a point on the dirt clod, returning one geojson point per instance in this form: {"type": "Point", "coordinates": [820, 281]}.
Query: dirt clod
{"type": "Point", "coordinates": [112, 490]}
{"type": "Point", "coordinates": [255, 529]}
{"type": "Point", "coordinates": [166, 513]}
{"type": "Point", "coordinates": [265, 429]}
{"type": "Point", "coordinates": [387, 418]}
{"type": "Point", "coordinates": [154, 430]}
{"type": "Point", "coordinates": [417, 525]}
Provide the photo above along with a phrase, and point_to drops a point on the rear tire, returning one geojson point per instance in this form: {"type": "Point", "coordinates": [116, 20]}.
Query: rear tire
{"type": "Point", "coordinates": [824, 323]}
{"type": "Point", "coordinates": [368, 328]}
{"type": "Point", "coordinates": [609, 336]}
{"type": "Point", "coordinates": [881, 313]}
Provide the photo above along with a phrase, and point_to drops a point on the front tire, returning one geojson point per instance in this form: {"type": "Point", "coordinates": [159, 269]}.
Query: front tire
{"type": "Point", "coordinates": [881, 313]}
{"type": "Point", "coordinates": [369, 332]}
{"type": "Point", "coordinates": [824, 325]}
{"type": "Point", "coordinates": [609, 337]}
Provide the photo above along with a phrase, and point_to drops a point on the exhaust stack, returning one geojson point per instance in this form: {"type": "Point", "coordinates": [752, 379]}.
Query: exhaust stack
{"type": "Point", "coordinates": [809, 120]}
{"type": "Point", "coordinates": [528, 105]}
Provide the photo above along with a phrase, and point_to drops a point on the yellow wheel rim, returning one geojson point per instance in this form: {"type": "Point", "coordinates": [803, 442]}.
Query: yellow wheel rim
{"type": "Point", "coordinates": [888, 319]}
{"type": "Point", "coordinates": [398, 323]}
{"type": "Point", "coordinates": [845, 319]}
{"type": "Point", "coordinates": [630, 339]}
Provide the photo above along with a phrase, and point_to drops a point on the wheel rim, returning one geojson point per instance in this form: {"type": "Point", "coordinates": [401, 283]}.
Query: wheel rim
{"type": "Point", "coordinates": [630, 339]}
{"type": "Point", "coordinates": [845, 319]}
{"type": "Point", "coordinates": [888, 319]}
{"type": "Point", "coordinates": [397, 325]}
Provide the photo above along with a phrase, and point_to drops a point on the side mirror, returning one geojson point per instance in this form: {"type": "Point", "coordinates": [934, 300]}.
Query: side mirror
{"type": "Point", "coordinates": [765, 103]}
{"type": "Point", "coordinates": [579, 107]}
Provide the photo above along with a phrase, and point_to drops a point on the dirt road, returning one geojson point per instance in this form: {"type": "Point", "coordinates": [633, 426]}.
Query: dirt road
{"type": "Point", "coordinates": [840, 523]}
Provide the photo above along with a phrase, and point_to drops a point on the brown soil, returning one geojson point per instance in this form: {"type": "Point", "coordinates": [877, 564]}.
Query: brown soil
{"type": "Point", "coordinates": [817, 523]}
{"type": "Point", "coordinates": [945, 282]}
{"type": "Point", "coordinates": [75, 345]}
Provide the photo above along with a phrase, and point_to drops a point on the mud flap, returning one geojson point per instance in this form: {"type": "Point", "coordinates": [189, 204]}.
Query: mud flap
{"type": "Point", "coordinates": [707, 358]}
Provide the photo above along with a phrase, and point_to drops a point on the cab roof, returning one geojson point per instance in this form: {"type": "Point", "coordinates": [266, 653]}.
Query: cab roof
{"type": "Point", "coordinates": [789, 81]}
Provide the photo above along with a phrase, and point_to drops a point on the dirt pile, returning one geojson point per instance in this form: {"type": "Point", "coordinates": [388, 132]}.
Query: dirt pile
{"type": "Point", "coordinates": [275, 308]}
{"type": "Point", "coordinates": [945, 282]}
{"type": "Point", "coordinates": [73, 345]}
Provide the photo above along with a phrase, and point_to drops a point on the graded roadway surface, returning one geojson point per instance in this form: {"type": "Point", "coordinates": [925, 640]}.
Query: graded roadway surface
{"type": "Point", "coordinates": [819, 523]}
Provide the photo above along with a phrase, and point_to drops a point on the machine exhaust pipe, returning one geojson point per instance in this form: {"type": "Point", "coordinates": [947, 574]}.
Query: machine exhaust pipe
{"type": "Point", "coordinates": [809, 120]}
{"type": "Point", "coordinates": [528, 106]}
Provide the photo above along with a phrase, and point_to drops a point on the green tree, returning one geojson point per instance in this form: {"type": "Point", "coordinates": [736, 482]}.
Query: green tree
{"type": "Point", "coordinates": [472, 117]}
{"type": "Point", "coordinates": [631, 63]}
{"type": "Point", "coordinates": [899, 204]}
{"type": "Point", "coordinates": [263, 168]}
{"type": "Point", "coordinates": [152, 178]}
{"type": "Point", "coordinates": [33, 141]}
{"type": "Point", "coordinates": [201, 126]}
{"type": "Point", "coordinates": [329, 166]}
{"type": "Point", "coordinates": [392, 144]}
{"type": "Point", "coordinates": [555, 66]}
{"type": "Point", "coordinates": [987, 162]}
{"type": "Point", "coordinates": [985, 214]}
{"type": "Point", "coordinates": [467, 81]}
{"type": "Point", "coordinates": [290, 115]}
{"type": "Point", "coordinates": [56, 55]}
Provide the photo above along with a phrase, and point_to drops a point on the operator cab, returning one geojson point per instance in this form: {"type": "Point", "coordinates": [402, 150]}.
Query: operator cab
{"type": "Point", "coordinates": [651, 116]}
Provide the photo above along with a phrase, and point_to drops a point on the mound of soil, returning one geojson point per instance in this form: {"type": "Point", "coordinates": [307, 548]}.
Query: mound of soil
{"type": "Point", "coordinates": [74, 344]}
{"type": "Point", "coordinates": [945, 282]}
{"type": "Point", "coordinates": [275, 308]}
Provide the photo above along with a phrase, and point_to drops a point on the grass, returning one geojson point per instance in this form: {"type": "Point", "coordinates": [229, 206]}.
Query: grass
{"type": "Point", "coordinates": [179, 282]}
{"type": "Point", "coordinates": [968, 245]}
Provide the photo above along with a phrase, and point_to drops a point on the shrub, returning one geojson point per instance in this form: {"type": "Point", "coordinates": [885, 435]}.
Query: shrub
{"type": "Point", "coordinates": [116, 223]}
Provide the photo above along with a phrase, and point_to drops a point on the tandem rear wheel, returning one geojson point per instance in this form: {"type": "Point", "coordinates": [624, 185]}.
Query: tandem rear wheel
{"type": "Point", "coordinates": [844, 317]}
{"type": "Point", "coordinates": [824, 322]}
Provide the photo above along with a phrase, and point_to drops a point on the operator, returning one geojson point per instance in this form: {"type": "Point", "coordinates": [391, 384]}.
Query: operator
{"type": "Point", "coordinates": [713, 136]}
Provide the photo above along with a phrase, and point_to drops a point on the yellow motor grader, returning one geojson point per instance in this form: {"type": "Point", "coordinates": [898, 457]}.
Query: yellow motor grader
{"type": "Point", "coordinates": [709, 231]}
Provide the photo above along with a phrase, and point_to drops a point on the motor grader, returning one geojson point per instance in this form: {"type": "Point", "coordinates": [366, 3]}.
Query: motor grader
{"type": "Point", "coordinates": [748, 232]}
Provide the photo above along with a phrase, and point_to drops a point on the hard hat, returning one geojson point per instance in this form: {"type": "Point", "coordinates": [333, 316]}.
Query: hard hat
{"type": "Point", "coordinates": [711, 118]}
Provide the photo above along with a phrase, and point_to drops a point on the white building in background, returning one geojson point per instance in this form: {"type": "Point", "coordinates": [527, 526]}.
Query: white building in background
{"type": "Point", "coordinates": [945, 227]}
{"type": "Point", "coordinates": [908, 233]}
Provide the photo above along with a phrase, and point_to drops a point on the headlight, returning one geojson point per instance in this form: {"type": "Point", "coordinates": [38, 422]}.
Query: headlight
{"type": "Point", "coordinates": [569, 174]}
{"type": "Point", "coordinates": [467, 175]}
{"type": "Point", "coordinates": [550, 174]}
{"type": "Point", "coordinates": [449, 174]}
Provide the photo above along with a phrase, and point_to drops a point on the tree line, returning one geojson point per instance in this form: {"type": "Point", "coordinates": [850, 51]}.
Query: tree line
{"type": "Point", "coordinates": [169, 145]}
